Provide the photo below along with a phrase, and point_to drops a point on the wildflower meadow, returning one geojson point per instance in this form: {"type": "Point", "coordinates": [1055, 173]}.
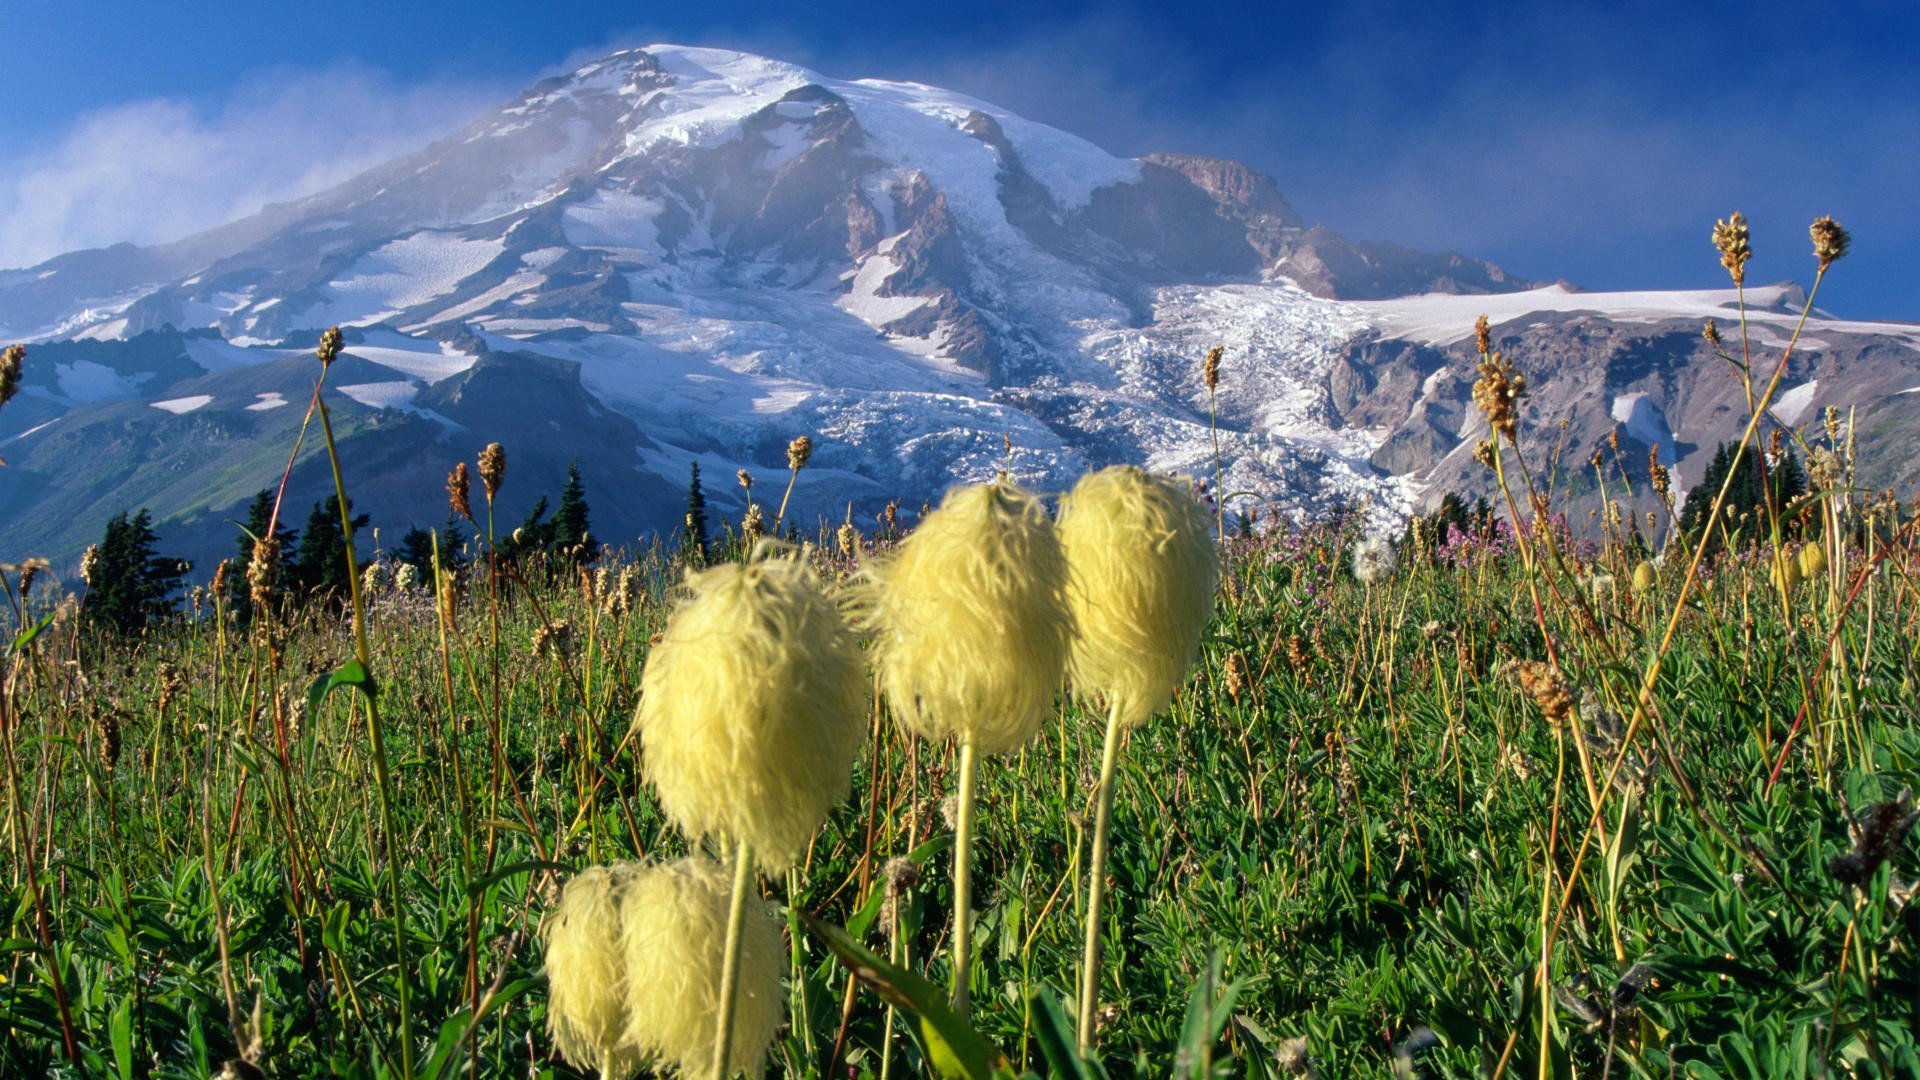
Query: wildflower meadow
{"type": "Point", "coordinates": [1134, 779]}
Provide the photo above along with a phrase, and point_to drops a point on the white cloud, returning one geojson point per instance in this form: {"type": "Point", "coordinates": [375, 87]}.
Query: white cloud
{"type": "Point", "coordinates": [157, 170]}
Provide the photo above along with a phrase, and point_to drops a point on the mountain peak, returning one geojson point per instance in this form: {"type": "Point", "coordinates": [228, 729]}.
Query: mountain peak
{"type": "Point", "coordinates": [678, 255]}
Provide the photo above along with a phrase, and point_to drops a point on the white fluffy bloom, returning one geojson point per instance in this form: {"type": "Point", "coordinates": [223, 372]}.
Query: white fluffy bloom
{"type": "Point", "coordinates": [1373, 560]}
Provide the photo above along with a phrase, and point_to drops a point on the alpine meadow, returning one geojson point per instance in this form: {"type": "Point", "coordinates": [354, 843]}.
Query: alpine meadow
{"type": "Point", "coordinates": [714, 570]}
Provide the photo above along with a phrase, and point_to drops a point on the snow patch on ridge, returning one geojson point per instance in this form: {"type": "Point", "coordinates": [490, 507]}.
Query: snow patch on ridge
{"type": "Point", "coordinates": [184, 405]}
{"type": "Point", "coordinates": [617, 222]}
{"type": "Point", "coordinates": [429, 361]}
{"type": "Point", "coordinates": [1647, 422]}
{"type": "Point", "coordinates": [399, 275]}
{"type": "Point", "coordinates": [864, 302]}
{"type": "Point", "coordinates": [1443, 319]}
{"type": "Point", "coordinates": [1790, 405]}
{"type": "Point", "coordinates": [84, 382]}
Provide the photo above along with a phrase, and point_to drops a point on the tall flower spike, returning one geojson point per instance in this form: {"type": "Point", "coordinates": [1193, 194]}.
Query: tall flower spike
{"type": "Point", "coordinates": [672, 943]}
{"type": "Point", "coordinates": [970, 619]}
{"type": "Point", "coordinates": [1497, 393]}
{"type": "Point", "coordinates": [1210, 370]}
{"type": "Point", "coordinates": [587, 983]}
{"type": "Point", "coordinates": [1144, 568]}
{"type": "Point", "coordinates": [753, 707]}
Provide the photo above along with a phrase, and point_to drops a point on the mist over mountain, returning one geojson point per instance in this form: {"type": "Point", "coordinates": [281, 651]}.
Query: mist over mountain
{"type": "Point", "coordinates": [678, 255]}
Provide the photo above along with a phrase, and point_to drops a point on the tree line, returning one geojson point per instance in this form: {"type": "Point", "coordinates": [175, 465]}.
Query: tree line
{"type": "Point", "coordinates": [130, 583]}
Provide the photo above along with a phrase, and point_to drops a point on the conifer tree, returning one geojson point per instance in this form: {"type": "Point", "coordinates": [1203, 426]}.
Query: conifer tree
{"type": "Point", "coordinates": [570, 535]}
{"type": "Point", "coordinates": [694, 539]}
{"type": "Point", "coordinates": [416, 550]}
{"type": "Point", "coordinates": [453, 547]}
{"type": "Point", "coordinates": [535, 534]}
{"type": "Point", "coordinates": [131, 583]}
{"type": "Point", "coordinates": [1747, 494]}
{"type": "Point", "coordinates": [320, 570]}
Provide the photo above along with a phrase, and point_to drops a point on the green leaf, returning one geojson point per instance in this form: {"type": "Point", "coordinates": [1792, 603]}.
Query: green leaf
{"type": "Point", "coordinates": [26, 636]}
{"type": "Point", "coordinates": [862, 920]}
{"type": "Point", "coordinates": [1057, 1039]}
{"type": "Point", "coordinates": [333, 929]}
{"type": "Point", "coordinates": [505, 872]}
{"type": "Point", "coordinates": [445, 1048]}
{"type": "Point", "coordinates": [352, 674]}
{"type": "Point", "coordinates": [120, 1029]}
{"type": "Point", "coordinates": [953, 1046]}
{"type": "Point", "coordinates": [1193, 1055]}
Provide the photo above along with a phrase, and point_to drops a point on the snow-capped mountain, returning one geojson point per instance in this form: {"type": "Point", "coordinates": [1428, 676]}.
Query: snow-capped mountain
{"type": "Point", "coordinates": [678, 255]}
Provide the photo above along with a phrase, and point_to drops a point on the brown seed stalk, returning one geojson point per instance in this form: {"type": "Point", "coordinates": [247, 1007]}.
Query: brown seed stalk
{"type": "Point", "coordinates": [1733, 239]}
{"type": "Point", "coordinates": [460, 492]}
{"type": "Point", "coordinates": [10, 363]}
{"type": "Point", "coordinates": [1830, 240]}
{"type": "Point", "coordinates": [799, 452]}
{"type": "Point", "coordinates": [493, 469]}
{"type": "Point", "coordinates": [329, 349]}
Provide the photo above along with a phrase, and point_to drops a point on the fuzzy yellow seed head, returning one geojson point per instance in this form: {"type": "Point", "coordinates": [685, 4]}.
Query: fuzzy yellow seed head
{"type": "Point", "coordinates": [1144, 571]}
{"type": "Point", "coordinates": [586, 972]}
{"type": "Point", "coordinates": [1785, 573]}
{"type": "Point", "coordinates": [673, 944]}
{"type": "Point", "coordinates": [1813, 562]}
{"type": "Point", "coordinates": [752, 708]}
{"type": "Point", "coordinates": [970, 619]}
{"type": "Point", "coordinates": [1644, 577]}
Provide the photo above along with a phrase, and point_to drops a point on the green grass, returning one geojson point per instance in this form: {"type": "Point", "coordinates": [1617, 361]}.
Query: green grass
{"type": "Point", "coordinates": [1361, 840]}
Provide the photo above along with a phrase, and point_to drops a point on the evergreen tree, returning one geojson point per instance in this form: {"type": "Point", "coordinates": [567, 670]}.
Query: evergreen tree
{"type": "Point", "coordinates": [1747, 494]}
{"type": "Point", "coordinates": [453, 547]}
{"type": "Point", "coordinates": [535, 534]}
{"type": "Point", "coordinates": [416, 550]}
{"type": "Point", "coordinates": [694, 539]}
{"type": "Point", "coordinates": [570, 535]}
{"type": "Point", "coordinates": [320, 570]}
{"type": "Point", "coordinates": [131, 583]}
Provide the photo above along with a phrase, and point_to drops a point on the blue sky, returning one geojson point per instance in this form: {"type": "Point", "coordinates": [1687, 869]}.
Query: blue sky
{"type": "Point", "coordinates": [1592, 142]}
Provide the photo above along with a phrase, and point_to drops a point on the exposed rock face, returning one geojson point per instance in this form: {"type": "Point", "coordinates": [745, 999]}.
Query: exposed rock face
{"type": "Point", "coordinates": [1659, 391]}
{"type": "Point", "coordinates": [1327, 264]}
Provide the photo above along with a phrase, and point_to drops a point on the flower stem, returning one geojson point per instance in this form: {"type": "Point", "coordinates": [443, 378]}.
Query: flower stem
{"type": "Point", "coordinates": [730, 966]}
{"type": "Point", "coordinates": [963, 886]}
{"type": "Point", "coordinates": [1097, 881]}
{"type": "Point", "coordinates": [382, 778]}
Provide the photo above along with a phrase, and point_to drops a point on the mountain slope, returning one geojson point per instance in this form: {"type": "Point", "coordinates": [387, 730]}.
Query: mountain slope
{"type": "Point", "coordinates": [677, 254]}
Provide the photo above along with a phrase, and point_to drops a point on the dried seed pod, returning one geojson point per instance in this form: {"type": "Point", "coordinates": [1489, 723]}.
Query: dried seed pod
{"type": "Point", "coordinates": [460, 492]}
{"type": "Point", "coordinates": [1733, 240]}
{"type": "Point", "coordinates": [493, 469]}
{"type": "Point", "coordinates": [1830, 240]}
